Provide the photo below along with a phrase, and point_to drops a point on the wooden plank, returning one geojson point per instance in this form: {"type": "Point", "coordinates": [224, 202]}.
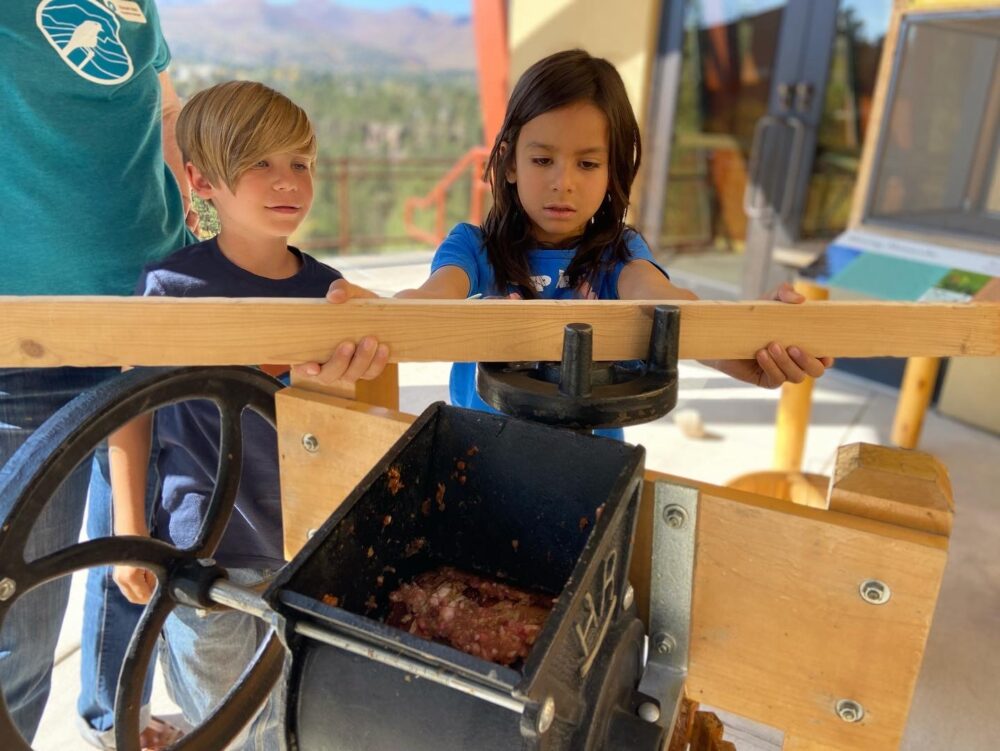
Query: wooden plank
{"type": "Point", "coordinates": [93, 331]}
{"type": "Point", "coordinates": [892, 485]}
{"type": "Point", "coordinates": [780, 632]}
{"type": "Point", "coordinates": [350, 437]}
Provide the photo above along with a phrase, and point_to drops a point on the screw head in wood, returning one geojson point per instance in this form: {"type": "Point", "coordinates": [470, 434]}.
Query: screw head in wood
{"type": "Point", "coordinates": [875, 592]}
{"type": "Point", "coordinates": [849, 710]}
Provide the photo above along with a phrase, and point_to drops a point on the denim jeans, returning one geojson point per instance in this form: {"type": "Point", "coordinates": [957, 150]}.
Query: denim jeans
{"type": "Point", "coordinates": [108, 618]}
{"type": "Point", "coordinates": [28, 397]}
{"type": "Point", "coordinates": [203, 655]}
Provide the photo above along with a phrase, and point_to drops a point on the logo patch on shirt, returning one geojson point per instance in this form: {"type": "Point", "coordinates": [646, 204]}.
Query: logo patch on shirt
{"type": "Point", "coordinates": [87, 36]}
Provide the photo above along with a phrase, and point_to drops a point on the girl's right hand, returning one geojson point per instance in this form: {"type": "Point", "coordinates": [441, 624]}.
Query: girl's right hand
{"type": "Point", "coordinates": [136, 584]}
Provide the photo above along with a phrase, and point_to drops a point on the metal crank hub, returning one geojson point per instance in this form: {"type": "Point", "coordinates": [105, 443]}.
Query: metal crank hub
{"type": "Point", "coordinates": [580, 394]}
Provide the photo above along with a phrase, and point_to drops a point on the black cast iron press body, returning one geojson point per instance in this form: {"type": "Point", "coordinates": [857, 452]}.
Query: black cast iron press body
{"type": "Point", "coordinates": [546, 509]}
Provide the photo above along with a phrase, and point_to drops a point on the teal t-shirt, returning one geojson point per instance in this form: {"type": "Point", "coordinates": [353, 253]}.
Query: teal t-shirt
{"type": "Point", "coordinates": [86, 199]}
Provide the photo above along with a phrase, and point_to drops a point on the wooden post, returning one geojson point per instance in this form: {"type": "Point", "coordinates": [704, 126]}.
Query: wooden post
{"type": "Point", "coordinates": [914, 397]}
{"type": "Point", "coordinates": [792, 420]}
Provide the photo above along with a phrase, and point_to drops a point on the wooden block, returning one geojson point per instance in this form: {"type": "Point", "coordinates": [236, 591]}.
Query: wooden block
{"type": "Point", "coordinates": [910, 488]}
{"type": "Point", "coordinates": [350, 437]}
{"type": "Point", "coordinates": [380, 392]}
{"type": "Point", "coordinates": [92, 331]}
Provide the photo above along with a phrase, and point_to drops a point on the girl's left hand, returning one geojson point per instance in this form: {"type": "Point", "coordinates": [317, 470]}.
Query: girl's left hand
{"type": "Point", "coordinates": [776, 364]}
{"type": "Point", "coordinates": [350, 362]}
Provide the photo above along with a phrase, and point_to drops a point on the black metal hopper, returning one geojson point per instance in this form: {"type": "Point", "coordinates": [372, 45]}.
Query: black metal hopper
{"type": "Point", "coordinates": [538, 507]}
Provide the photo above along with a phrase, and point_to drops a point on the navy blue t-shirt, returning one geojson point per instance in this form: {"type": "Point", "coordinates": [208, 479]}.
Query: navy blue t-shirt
{"type": "Point", "coordinates": [187, 434]}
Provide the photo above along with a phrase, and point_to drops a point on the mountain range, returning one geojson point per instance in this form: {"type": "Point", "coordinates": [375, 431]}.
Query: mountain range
{"type": "Point", "coordinates": [315, 34]}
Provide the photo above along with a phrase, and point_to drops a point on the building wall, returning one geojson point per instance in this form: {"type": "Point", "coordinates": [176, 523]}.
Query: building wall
{"type": "Point", "coordinates": [623, 32]}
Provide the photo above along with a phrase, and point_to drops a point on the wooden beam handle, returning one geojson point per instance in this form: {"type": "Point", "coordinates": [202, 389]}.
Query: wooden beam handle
{"type": "Point", "coordinates": [95, 331]}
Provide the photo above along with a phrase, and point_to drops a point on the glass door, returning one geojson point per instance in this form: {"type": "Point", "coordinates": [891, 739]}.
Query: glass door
{"type": "Point", "coordinates": [771, 103]}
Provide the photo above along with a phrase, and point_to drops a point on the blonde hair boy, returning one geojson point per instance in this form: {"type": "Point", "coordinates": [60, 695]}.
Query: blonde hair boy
{"type": "Point", "coordinates": [225, 129]}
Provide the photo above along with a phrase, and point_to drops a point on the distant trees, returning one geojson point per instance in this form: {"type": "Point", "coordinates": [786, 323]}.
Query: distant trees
{"type": "Point", "coordinates": [395, 134]}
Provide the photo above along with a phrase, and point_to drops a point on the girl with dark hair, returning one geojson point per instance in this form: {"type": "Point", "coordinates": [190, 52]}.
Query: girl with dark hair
{"type": "Point", "coordinates": [561, 171]}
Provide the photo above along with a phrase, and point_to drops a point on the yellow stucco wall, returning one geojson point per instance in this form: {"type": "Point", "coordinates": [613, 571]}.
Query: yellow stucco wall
{"type": "Point", "coordinates": [624, 32]}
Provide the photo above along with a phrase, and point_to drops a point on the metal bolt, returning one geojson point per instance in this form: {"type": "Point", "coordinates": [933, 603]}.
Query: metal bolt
{"type": "Point", "coordinates": [675, 516]}
{"type": "Point", "coordinates": [850, 711]}
{"type": "Point", "coordinates": [546, 715]}
{"type": "Point", "coordinates": [7, 588]}
{"type": "Point", "coordinates": [649, 711]}
{"type": "Point", "coordinates": [310, 443]}
{"type": "Point", "coordinates": [875, 592]}
{"type": "Point", "coordinates": [628, 597]}
{"type": "Point", "coordinates": [664, 643]}
{"type": "Point", "coordinates": [311, 533]}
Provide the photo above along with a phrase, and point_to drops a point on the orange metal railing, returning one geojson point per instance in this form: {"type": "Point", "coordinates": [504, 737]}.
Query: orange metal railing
{"type": "Point", "coordinates": [475, 160]}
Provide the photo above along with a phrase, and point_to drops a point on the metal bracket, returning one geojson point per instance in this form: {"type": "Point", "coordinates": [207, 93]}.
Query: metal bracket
{"type": "Point", "coordinates": [675, 517]}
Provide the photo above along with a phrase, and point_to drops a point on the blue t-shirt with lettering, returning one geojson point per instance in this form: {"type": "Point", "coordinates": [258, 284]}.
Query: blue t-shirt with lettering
{"type": "Point", "coordinates": [464, 248]}
{"type": "Point", "coordinates": [187, 434]}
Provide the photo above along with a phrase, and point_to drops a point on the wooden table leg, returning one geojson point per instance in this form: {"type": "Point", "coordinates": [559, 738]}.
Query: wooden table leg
{"type": "Point", "coordinates": [914, 397]}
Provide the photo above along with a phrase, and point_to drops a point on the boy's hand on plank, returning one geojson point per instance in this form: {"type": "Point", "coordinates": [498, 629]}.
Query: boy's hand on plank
{"type": "Point", "coordinates": [350, 361]}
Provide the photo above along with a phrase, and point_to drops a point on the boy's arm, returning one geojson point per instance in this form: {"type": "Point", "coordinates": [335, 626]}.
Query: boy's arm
{"type": "Point", "coordinates": [128, 456]}
{"type": "Point", "coordinates": [772, 365]}
{"type": "Point", "coordinates": [447, 283]}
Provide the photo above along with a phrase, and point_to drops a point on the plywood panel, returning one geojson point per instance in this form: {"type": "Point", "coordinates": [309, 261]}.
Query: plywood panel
{"type": "Point", "coordinates": [779, 630]}
{"type": "Point", "coordinates": [350, 437]}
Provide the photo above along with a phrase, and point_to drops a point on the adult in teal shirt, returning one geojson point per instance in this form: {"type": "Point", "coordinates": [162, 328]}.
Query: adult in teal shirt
{"type": "Point", "coordinates": [91, 190]}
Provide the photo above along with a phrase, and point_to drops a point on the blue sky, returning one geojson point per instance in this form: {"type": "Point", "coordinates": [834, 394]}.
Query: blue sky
{"type": "Point", "coordinates": [453, 7]}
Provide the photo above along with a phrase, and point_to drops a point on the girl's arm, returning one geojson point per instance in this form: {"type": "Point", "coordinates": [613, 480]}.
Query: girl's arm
{"type": "Point", "coordinates": [128, 455]}
{"type": "Point", "coordinates": [447, 283]}
{"type": "Point", "coordinates": [772, 365]}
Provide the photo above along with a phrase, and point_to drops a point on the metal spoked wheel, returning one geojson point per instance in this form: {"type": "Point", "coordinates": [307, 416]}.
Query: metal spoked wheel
{"type": "Point", "coordinates": [48, 457]}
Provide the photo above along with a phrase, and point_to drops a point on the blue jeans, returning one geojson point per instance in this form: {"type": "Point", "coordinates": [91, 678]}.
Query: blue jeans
{"type": "Point", "coordinates": [108, 618]}
{"type": "Point", "coordinates": [203, 655]}
{"type": "Point", "coordinates": [28, 397]}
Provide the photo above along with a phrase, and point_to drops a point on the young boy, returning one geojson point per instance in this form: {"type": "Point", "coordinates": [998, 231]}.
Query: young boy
{"type": "Point", "coordinates": [250, 151]}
